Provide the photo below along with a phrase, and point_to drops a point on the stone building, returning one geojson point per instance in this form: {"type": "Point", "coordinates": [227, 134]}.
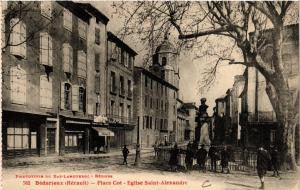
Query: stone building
{"type": "Point", "coordinates": [120, 65]}
{"type": "Point", "coordinates": [258, 119]}
{"type": "Point", "coordinates": [189, 131]}
{"type": "Point", "coordinates": [49, 71]}
{"type": "Point", "coordinates": [156, 91]}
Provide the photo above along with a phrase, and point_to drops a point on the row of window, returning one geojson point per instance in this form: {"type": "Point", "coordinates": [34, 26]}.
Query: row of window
{"type": "Point", "coordinates": [116, 53]}
{"type": "Point", "coordinates": [150, 122]}
{"type": "Point", "coordinates": [47, 9]}
{"type": "Point", "coordinates": [73, 97]}
{"type": "Point", "coordinates": [18, 47]}
{"type": "Point", "coordinates": [155, 104]}
{"type": "Point", "coordinates": [160, 88]}
{"type": "Point", "coordinates": [74, 94]}
{"type": "Point", "coordinates": [121, 110]}
{"type": "Point", "coordinates": [121, 87]}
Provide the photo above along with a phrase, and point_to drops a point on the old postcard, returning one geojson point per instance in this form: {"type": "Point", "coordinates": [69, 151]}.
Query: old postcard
{"type": "Point", "coordinates": [155, 95]}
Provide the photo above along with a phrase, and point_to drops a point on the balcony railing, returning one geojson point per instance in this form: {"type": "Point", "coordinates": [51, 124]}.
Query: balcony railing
{"type": "Point", "coordinates": [120, 119]}
{"type": "Point", "coordinates": [261, 116]}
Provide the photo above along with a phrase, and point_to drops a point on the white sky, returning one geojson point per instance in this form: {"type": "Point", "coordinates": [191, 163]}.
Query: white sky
{"type": "Point", "coordinates": [190, 70]}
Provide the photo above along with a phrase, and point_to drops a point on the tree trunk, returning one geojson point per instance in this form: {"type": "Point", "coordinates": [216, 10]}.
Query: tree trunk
{"type": "Point", "coordinates": [285, 137]}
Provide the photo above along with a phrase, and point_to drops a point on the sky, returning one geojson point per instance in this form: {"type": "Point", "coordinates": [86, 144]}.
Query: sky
{"type": "Point", "coordinates": [190, 69]}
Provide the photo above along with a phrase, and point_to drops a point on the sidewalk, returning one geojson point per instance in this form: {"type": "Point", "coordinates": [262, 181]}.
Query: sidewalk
{"type": "Point", "coordinates": [67, 158]}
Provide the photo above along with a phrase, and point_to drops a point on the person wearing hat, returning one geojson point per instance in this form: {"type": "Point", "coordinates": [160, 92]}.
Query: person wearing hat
{"type": "Point", "coordinates": [263, 159]}
{"type": "Point", "coordinates": [201, 158]}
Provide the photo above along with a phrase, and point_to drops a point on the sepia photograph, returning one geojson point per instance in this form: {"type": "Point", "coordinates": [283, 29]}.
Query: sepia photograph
{"type": "Point", "coordinates": [150, 95]}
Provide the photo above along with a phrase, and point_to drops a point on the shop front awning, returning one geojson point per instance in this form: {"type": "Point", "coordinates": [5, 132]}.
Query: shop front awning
{"type": "Point", "coordinates": [104, 131]}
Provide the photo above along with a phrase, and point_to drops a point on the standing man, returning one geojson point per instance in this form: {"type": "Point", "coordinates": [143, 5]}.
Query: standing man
{"type": "Point", "coordinates": [174, 158]}
{"type": "Point", "coordinates": [201, 158]}
{"type": "Point", "coordinates": [274, 161]}
{"type": "Point", "coordinates": [225, 159]}
{"type": "Point", "coordinates": [213, 158]}
{"type": "Point", "coordinates": [125, 152]}
{"type": "Point", "coordinates": [189, 157]}
{"type": "Point", "coordinates": [262, 164]}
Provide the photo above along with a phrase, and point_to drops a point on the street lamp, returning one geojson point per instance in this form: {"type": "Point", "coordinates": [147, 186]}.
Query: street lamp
{"type": "Point", "coordinates": [137, 161]}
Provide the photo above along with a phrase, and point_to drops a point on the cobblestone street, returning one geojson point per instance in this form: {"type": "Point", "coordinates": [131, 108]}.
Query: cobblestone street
{"type": "Point", "coordinates": [148, 171]}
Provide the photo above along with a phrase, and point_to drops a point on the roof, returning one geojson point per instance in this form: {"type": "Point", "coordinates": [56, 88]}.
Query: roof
{"type": "Point", "coordinates": [76, 9]}
{"type": "Point", "coordinates": [93, 10]}
{"type": "Point", "coordinates": [117, 40]}
{"type": "Point", "coordinates": [221, 98]}
{"type": "Point", "coordinates": [153, 76]}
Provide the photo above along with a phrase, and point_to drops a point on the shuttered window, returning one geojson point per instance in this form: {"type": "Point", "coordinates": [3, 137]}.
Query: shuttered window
{"type": "Point", "coordinates": [97, 62]}
{"type": "Point", "coordinates": [114, 51]}
{"type": "Point", "coordinates": [97, 36]}
{"type": "Point", "coordinates": [18, 85]}
{"type": "Point", "coordinates": [65, 96]}
{"type": "Point", "coordinates": [67, 58]}
{"type": "Point", "coordinates": [46, 49]}
{"type": "Point", "coordinates": [97, 83]}
{"type": "Point", "coordinates": [46, 9]}
{"type": "Point", "coordinates": [45, 91]}
{"type": "Point", "coordinates": [75, 99]}
{"type": "Point", "coordinates": [17, 37]}
{"type": "Point", "coordinates": [81, 99]}
{"type": "Point", "coordinates": [82, 28]}
{"type": "Point", "coordinates": [81, 64]}
{"type": "Point", "coordinates": [67, 19]}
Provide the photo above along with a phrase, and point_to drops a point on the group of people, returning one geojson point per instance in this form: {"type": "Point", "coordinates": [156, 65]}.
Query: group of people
{"type": "Point", "coordinates": [201, 155]}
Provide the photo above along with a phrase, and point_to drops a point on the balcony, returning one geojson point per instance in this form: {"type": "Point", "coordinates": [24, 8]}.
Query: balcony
{"type": "Point", "coordinates": [261, 116]}
{"type": "Point", "coordinates": [120, 119]}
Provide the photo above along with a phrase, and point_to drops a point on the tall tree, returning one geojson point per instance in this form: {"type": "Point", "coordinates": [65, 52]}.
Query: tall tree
{"type": "Point", "coordinates": [195, 22]}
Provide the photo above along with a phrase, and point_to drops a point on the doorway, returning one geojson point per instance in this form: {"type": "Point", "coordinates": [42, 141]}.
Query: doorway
{"type": "Point", "coordinates": [50, 141]}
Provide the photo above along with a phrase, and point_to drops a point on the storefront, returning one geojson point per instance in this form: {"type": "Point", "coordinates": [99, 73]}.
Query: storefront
{"type": "Point", "coordinates": [76, 136]}
{"type": "Point", "coordinates": [22, 134]}
{"type": "Point", "coordinates": [101, 139]}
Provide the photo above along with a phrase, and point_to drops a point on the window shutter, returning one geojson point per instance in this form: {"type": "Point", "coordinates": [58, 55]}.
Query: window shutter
{"type": "Point", "coordinates": [70, 59]}
{"type": "Point", "coordinates": [49, 93]}
{"type": "Point", "coordinates": [43, 92]}
{"type": "Point", "coordinates": [75, 96]}
{"type": "Point", "coordinates": [50, 51]}
{"type": "Point", "coordinates": [23, 39]}
{"type": "Point", "coordinates": [66, 58]}
{"type": "Point", "coordinates": [43, 48]}
{"type": "Point", "coordinates": [18, 86]}
{"type": "Point", "coordinates": [62, 95]}
{"type": "Point", "coordinates": [14, 36]}
{"type": "Point", "coordinates": [46, 9]}
{"type": "Point", "coordinates": [97, 83]}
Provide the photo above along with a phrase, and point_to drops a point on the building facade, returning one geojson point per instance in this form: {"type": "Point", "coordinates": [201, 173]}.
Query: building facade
{"type": "Point", "coordinates": [46, 49]}
{"type": "Point", "coordinates": [155, 93]}
{"type": "Point", "coordinates": [120, 104]}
